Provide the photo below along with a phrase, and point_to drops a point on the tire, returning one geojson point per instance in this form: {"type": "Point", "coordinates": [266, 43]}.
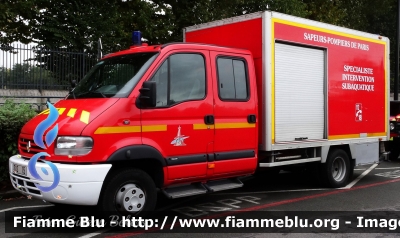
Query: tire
{"type": "Point", "coordinates": [336, 170]}
{"type": "Point", "coordinates": [128, 192]}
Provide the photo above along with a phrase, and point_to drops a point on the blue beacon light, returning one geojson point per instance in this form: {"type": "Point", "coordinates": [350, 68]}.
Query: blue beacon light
{"type": "Point", "coordinates": [137, 38]}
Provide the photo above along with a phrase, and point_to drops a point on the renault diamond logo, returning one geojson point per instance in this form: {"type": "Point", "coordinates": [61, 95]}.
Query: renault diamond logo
{"type": "Point", "coordinates": [28, 146]}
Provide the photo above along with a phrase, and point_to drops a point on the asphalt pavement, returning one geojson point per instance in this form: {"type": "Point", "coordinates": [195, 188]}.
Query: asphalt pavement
{"type": "Point", "coordinates": [373, 189]}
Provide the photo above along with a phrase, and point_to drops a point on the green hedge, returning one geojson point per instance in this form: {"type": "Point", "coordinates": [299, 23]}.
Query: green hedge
{"type": "Point", "coordinates": [13, 116]}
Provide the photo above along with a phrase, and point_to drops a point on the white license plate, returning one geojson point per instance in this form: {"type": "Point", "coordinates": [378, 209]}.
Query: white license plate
{"type": "Point", "coordinates": [19, 169]}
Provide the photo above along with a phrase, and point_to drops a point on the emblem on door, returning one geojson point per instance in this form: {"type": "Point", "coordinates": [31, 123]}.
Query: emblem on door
{"type": "Point", "coordinates": [179, 139]}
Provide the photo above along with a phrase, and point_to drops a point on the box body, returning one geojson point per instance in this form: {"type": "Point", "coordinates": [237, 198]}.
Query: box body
{"type": "Point", "coordinates": [318, 84]}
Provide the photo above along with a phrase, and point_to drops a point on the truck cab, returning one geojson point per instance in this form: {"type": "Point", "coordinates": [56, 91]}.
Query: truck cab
{"type": "Point", "coordinates": [180, 117]}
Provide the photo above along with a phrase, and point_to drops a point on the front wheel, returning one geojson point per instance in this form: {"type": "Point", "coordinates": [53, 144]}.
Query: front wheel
{"type": "Point", "coordinates": [336, 170]}
{"type": "Point", "coordinates": [129, 191]}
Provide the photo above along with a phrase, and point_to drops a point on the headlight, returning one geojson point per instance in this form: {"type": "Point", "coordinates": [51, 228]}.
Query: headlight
{"type": "Point", "coordinates": [68, 145]}
{"type": "Point", "coordinates": [391, 126]}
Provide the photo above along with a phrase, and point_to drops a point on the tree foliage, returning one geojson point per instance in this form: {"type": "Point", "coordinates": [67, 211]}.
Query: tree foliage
{"type": "Point", "coordinates": [15, 18]}
{"type": "Point", "coordinates": [184, 13]}
{"type": "Point", "coordinates": [79, 24]}
{"type": "Point", "coordinates": [12, 117]}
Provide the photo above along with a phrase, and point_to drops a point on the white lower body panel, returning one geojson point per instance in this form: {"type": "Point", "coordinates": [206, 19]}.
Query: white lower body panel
{"type": "Point", "coordinates": [320, 143]}
{"type": "Point", "coordinates": [79, 184]}
{"type": "Point", "coordinates": [365, 153]}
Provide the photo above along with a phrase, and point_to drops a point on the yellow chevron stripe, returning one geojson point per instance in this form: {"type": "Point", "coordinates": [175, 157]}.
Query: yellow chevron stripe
{"type": "Point", "coordinates": [85, 117]}
{"type": "Point", "coordinates": [61, 110]}
{"type": "Point", "coordinates": [44, 112]}
{"type": "Point", "coordinates": [47, 111]}
{"type": "Point", "coordinates": [71, 112]}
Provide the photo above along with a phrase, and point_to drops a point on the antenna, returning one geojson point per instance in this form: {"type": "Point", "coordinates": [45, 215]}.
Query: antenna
{"type": "Point", "coordinates": [99, 50]}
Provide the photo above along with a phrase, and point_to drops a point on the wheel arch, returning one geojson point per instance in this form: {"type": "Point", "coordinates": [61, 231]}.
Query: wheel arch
{"type": "Point", "coordinates": [326, 150]}
{"type": "Point", "coordinates": [143, 157]}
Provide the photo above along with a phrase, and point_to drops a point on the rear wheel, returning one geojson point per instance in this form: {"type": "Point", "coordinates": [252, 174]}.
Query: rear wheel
{"type": "Point", "coordinates": [129, 191]}
{"type": "Point", "coordinates": [336, 170]}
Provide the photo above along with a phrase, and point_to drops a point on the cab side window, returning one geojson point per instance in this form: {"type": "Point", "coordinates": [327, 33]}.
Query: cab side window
{"type": "Point", "coordinates": [161, 79]}
{"type": "Point", "coordinates": [232, 79]}
{"type": "Point", "coordinates": [181, 78]}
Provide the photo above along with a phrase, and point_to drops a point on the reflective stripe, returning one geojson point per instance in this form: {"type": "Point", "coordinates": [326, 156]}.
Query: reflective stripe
{"type": "Point", "coordinates": [234, 125]}
{"type": "Point", "coordinates": [154, 128]}
{"type": "Point", "coordinates": [333, 32]}
{"type": "Point", "coordinates": [117, 129]}
{"type": "Point", "coordinates": [202, 127]}
{"type": "Point", "coordinates": [85, 117]}
{"type": "Point", "coordinates": [349, 136]}
{"type": "Point", "coordinates": [71, 112]}
{"type": "Point", "coordinates": [44, 112]}
{"type": "Point", "coordinates": [130, 129]}
{"type": "Point", "coordinates": [60, 111]}
{"type": "Point", "coordinates": [159, 128]}
{"type": "Point", "coordinates": [229, 125]}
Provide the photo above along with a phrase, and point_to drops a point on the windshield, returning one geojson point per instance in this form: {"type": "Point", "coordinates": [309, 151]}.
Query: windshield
{"type": "Point", "coordinates": [113, 77]}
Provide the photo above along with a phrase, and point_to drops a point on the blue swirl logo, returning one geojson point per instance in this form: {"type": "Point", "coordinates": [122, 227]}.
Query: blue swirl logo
{"type": "Point", "coordinates": [49, 139]}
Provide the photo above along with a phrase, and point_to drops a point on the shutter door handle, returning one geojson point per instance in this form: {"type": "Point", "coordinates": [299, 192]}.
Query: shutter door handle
{"type": "Point", "coordinates": [209, 119]}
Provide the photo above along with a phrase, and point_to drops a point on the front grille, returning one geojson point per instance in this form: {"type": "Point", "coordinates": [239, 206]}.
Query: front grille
{"type": "Point", "coordinates": [33, 149]}
{"type": "Point", "coordinates": [23, 184]}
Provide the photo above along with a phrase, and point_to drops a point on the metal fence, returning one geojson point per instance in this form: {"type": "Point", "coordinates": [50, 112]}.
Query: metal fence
{"type": "Point", "coordinates": [32, 67]}
{"type": "Point", "coordinates": [37, 106]}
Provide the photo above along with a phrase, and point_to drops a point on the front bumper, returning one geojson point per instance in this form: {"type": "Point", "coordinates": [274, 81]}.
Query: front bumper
{"type": "Point", "coordinates": [79, 184]}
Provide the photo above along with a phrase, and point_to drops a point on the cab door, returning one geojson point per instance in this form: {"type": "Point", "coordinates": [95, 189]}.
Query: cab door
{"type": "Point", "coordinates": [176, 126]}
{"type": "Point", "coordinates": [235, 113]}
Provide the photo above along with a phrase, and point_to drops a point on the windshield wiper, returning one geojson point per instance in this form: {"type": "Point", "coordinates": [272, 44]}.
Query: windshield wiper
{"type": "Point", "coordinates": [73, 94]}
{"type": "Point", "coordinates": [92, 93]}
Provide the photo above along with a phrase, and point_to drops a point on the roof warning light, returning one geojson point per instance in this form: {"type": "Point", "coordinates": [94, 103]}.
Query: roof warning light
{"type": "Point", "coordinates": [137, 38]}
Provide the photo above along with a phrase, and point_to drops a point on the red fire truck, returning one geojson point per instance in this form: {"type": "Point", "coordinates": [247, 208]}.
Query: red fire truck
{"type": "Point", "coordinates": [239, 96]}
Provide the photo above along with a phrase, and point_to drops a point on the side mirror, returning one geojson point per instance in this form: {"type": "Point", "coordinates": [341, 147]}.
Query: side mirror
{"type": "Point", "coordinates": [148, 94]}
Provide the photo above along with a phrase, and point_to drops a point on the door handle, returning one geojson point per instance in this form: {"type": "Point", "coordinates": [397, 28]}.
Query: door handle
{"type": "Point", "coordinates": [251, 118]}
{"type": "Point", "coordinates": [209, 119]}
